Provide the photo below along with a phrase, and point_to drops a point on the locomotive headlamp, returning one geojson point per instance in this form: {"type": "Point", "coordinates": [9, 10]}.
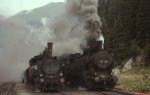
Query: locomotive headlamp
{"type": "Point", "coordinates": [96, 79]}
{"type": "Point", "coordinates": [103, 76]}
{"type": "Point", "coordinates": [62, 80]}
{"type": "Point", "coordinates": [106, 61]}
{"type": "Point", "coordinates": [41, 75]}
{"type": "Point", "coordinates": [63, 65]}
{"type": "Point", "coordinates": [35, 67]}
{"type": "Point", "coordinates": [41, 80]}
{"type": "Point", "coordinates": [61, 74]}
{"type": "Point", "coordinates": [101, 61]}
{"type": "Point", "coordinates": [95, 74]}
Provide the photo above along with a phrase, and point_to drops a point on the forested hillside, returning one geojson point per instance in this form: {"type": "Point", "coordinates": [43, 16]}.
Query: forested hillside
{"type": "Point", "coordinates": [126, 28]}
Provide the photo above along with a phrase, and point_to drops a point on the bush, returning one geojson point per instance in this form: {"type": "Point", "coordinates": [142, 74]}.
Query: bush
{"type": "Point", "coordinates": [135, 79]}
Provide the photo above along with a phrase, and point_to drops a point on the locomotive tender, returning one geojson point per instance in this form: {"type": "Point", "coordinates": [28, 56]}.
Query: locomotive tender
{"type": "Point", "coordinates": [93, 68]}
{"type": "Point", "coordinates": [44, 71]}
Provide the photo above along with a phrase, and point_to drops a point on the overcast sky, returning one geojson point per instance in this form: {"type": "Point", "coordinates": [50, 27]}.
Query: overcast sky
{"type": "Point", "coordinates": [11, 7]}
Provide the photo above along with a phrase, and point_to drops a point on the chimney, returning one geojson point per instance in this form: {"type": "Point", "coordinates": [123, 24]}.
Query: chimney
{"type": "Point", "coordinates": [50, 46]}
{"type": "Point", "coordinates": [99, 45]}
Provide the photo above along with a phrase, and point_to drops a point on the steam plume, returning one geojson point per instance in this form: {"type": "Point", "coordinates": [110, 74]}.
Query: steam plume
{"type": "Point", "coordinates": [18, 44]}
{"type": "Point", "coordinates": [72, 29]}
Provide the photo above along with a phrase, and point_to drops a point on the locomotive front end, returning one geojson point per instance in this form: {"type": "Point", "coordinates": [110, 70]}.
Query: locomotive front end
{"type": "Point", "coordinates": [51, 77]}
{"type": "Point", "coordinates": [48, 71]}
{"type": "Point", "coordinates": [102, 60]}
{"type": "Point", "coordinates": [99, 68]}
{"type": "Point", "coordinates": [103, 64]}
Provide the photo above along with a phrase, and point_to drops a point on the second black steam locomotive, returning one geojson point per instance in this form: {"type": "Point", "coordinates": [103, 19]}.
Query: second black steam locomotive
{"type": "Point", "coordinates": [93, 68]}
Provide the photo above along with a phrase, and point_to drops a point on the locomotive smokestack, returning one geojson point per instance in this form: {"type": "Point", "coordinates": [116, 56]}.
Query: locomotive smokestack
{"type": "Point", "coordinates": [99, 45]}
{"type": "Point", "coordinates": [50, 46]}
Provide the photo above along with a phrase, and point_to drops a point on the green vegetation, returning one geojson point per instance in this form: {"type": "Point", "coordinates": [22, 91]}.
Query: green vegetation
{"type": "Point", "coordinates": [136, 79]}
{"type": "Point", "coordinates": [126, 28]}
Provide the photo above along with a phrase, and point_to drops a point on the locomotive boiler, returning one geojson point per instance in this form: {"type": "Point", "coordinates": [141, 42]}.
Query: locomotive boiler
{"type": "Point", "coordinates": [44, 71]}
{"type": "Point", "coordinates": [93, 68]}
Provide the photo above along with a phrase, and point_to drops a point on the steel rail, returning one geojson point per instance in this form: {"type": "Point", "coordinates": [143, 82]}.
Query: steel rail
{"type": "Point", "coordinates": [110, 91]}
{"type": "Point", "coordinates": [61, 92]}
{"type": "Point", "coordinates": [102, 93]}
{"type": "Point", "coordinates": [120, 91]}
{"type": "Point", "coordinates": [3, 84]}
{"type": "Point", "coordinates": [6, 88]}
{"type": "Point", "coordinates": [10, 88]}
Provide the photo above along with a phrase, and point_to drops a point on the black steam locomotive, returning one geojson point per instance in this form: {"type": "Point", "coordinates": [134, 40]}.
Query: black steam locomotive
{"type": "Point", "coordinates": [93, 68]}
{"type": "Point", "coordinates": [44, 71]}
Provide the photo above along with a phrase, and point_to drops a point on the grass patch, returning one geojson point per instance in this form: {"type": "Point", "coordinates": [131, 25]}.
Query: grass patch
{"type": "Point", "coordinates": [136, 79]}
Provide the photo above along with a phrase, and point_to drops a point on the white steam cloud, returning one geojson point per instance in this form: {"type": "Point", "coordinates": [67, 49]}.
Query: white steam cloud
{"type": "Point", "coordinates": [71, 29]}
{"type": "Point", "coordinates": [17, 45]}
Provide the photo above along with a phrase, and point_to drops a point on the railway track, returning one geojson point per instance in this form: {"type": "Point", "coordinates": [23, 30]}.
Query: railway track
{"type": "Point", "coordinates": [91, 93]}
{"type": "Point", "coordinates": [112, 93]}
{"type": "Point", "coordinates": [52, 94]}
{"type": "Point", "coordinates": [58, 93]}
{"type": "Point", "coordinates": [106, 92]}
{"type": "Point", "coordinates": [62, 93]}
{"type": "Point", "coordinates": [115, 92]}
{"type": "Point", "coordinates": [23, 89]}
{"type": "Point", "coordinates": [6, 88]}
{"type": "Point", "coordinates": [121, 91]}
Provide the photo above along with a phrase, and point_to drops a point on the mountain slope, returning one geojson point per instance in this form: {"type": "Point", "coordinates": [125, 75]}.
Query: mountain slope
{"type": "Point", "coordinates": [34, 16]}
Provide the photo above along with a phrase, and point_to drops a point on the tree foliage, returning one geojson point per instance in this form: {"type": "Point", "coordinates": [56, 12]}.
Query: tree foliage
{"type": "Point", "coordinates": [126, 26]}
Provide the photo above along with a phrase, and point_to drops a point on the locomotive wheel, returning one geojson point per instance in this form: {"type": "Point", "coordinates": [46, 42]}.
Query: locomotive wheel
{"type": "Point", "coordinates": [89, 84]}
{"type": "Point", "coordinates": [112, 85]}
{"type": "Point", "coordinates": [113, 82]}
